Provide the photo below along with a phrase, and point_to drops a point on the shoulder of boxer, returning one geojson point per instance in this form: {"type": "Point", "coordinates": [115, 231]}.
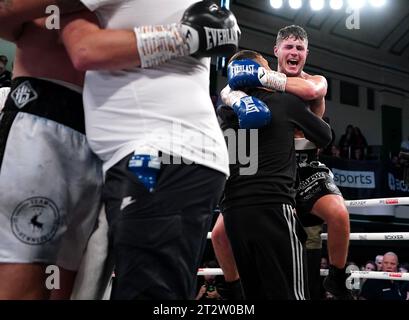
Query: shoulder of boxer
{"type": "Point", "coordinates": [319, 81]}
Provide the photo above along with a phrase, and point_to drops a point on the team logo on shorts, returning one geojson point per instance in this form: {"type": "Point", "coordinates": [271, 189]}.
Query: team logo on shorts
{"type": "Point", "coordinates": [35, 221]}
{"type": "Point", "coordinates": [23, 94]}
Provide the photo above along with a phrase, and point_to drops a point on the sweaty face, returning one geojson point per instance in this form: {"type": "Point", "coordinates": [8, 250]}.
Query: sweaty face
{"type": "Point", "coordinates": [291, 55]}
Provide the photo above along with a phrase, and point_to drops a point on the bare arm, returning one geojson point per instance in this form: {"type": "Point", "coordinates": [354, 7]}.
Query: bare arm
{"type": "Point", "coordinates": [308, 89]}
{"type": "Point", "coordinates": [14, 13]}
{"type": "Point", "coordinates": [93, 48]}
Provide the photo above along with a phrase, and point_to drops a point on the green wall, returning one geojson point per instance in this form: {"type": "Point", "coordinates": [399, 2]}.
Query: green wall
{"type": "Point", "coordinates": [8, 49]}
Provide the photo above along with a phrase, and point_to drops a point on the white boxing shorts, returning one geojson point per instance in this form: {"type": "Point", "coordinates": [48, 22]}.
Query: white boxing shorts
{"type": "Point", "coordinates": [50, 181]}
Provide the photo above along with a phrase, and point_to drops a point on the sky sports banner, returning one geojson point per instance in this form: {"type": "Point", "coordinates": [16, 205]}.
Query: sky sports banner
{"type": "Point", "coordinates": [367, 179]}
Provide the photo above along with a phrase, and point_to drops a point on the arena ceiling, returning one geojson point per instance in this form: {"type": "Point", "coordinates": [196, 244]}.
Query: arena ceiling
{"type": "Point", "coordinates": [382, 37]}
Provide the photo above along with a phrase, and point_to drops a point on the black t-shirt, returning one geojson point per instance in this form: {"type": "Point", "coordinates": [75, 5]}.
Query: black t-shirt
{"type": "Point", "coordinates": [375, 289]}
{"type": "Point", "coordinates": [271, 151]}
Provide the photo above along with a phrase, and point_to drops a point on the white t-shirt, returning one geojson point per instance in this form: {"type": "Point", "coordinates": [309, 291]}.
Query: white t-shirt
{"type": "Point", "coordinates": [167, 108]}
{"type": "Point", "coordinates": [3, 96]}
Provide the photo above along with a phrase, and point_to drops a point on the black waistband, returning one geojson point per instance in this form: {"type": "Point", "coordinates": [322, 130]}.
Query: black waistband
{"type": "Point", "coordinates": [307, 155]}
{"type": "Point", "coordinates": [46, 99]}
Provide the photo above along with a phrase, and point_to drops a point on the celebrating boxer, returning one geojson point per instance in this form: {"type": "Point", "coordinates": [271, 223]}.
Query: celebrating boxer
{"type": "Point", "coordinates": [318, 198]}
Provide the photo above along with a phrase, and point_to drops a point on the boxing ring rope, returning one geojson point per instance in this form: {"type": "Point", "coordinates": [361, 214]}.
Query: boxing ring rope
{"type": "Point", "coordinates": [380, 202]}
{"type": "Point", "coordinates": [375, 236]}
{"type": "Point", "coordinates": [389, 236]}
{"type": "Point", "coordinates": [324, 272]}
{"type": "Point", "coordinates": [371, 203]}
{"type": "Point", "coordinates": [210, 272]}
{"type": "Point", "coordinates": [380, 275]}
{"type": "Point", "coordinates": [386, 236]}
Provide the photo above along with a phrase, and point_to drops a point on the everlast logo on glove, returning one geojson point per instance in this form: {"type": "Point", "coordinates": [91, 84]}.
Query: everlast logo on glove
{"type": "Point", "coordinates": [237, 69]}
{"type": "Point", "coordinates": [215, 31]}
{"type": "Point", "coordinates": [250, 105]}
{"type": "Point", "coordinates": [220, 37]}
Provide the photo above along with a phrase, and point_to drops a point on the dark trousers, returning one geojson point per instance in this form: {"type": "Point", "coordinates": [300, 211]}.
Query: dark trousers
{"type": "Point", "coordinates": [314, 277]}
{"type": "Point", "coordinates": [158, 238]}
{"type": "Point", "coordinates": [267, 246]}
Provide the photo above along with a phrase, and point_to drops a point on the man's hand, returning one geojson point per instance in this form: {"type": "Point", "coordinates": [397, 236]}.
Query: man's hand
{"type": "Point", "coordinates": [251, 112]}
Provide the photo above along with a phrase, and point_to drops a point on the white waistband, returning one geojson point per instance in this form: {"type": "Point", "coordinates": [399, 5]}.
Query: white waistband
{"type": "Point", "coordinates": [303, 144]}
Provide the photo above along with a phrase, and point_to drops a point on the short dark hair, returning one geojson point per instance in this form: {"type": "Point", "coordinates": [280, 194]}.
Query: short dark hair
{"type": "Point", "coordinates": [246, 54]}
{"type": "Point", "coordinates": [291, 31]}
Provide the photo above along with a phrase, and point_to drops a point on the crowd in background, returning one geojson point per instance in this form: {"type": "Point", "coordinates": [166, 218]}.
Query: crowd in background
{"type": "Point", "coordinates": [211, 287]}
{"type": "Point", "coordinates": [352, 145]}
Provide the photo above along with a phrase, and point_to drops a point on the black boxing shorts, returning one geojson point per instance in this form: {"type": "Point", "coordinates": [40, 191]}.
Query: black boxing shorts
{"type": "Point", "coordinates": [315, 181]}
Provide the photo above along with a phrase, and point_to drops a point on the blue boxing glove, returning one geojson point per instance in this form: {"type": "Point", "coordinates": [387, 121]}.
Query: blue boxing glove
{"type": "Point", "coordinates": [248, 73]}
{"type": "Point", "coordinates": [252, 113]}
{"type": "Point", "coordinates": [243, 73]}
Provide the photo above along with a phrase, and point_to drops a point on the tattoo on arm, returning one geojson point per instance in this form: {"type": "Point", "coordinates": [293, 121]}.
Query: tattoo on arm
{"type": "Point", "coordinates": [68, 6]}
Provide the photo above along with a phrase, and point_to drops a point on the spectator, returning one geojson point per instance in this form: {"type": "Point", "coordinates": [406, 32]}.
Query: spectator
{"type": "Point", "coordinates": [404, 267]}
{"type": "Point", "coordinates": [327, 151]}
{"type": "Point", "coordinates": [335, 152]}
{"type": "Point", "coordinates": [351, 263]}
{"type": "Point", "coordinates": [210, 288]}
{"type": "Point", "coordinates": [5, 75]}
{"type": "Point", "coordinates": [404, 146]}
{"type": "Point", "coordinates": [359, 154]}
{"type": "Point", "coordinates": [359, 143]}
{"type": "Point", "coordinates": [378, 261]}
{"type": "Point", "coordinates": [375, 289]}
{"type": "Point", "coordinates": [370, 266]}
{"type": "Point", "coordinates": [346, 142]}
{"type": "Point", "coordinates": [324, 263]}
